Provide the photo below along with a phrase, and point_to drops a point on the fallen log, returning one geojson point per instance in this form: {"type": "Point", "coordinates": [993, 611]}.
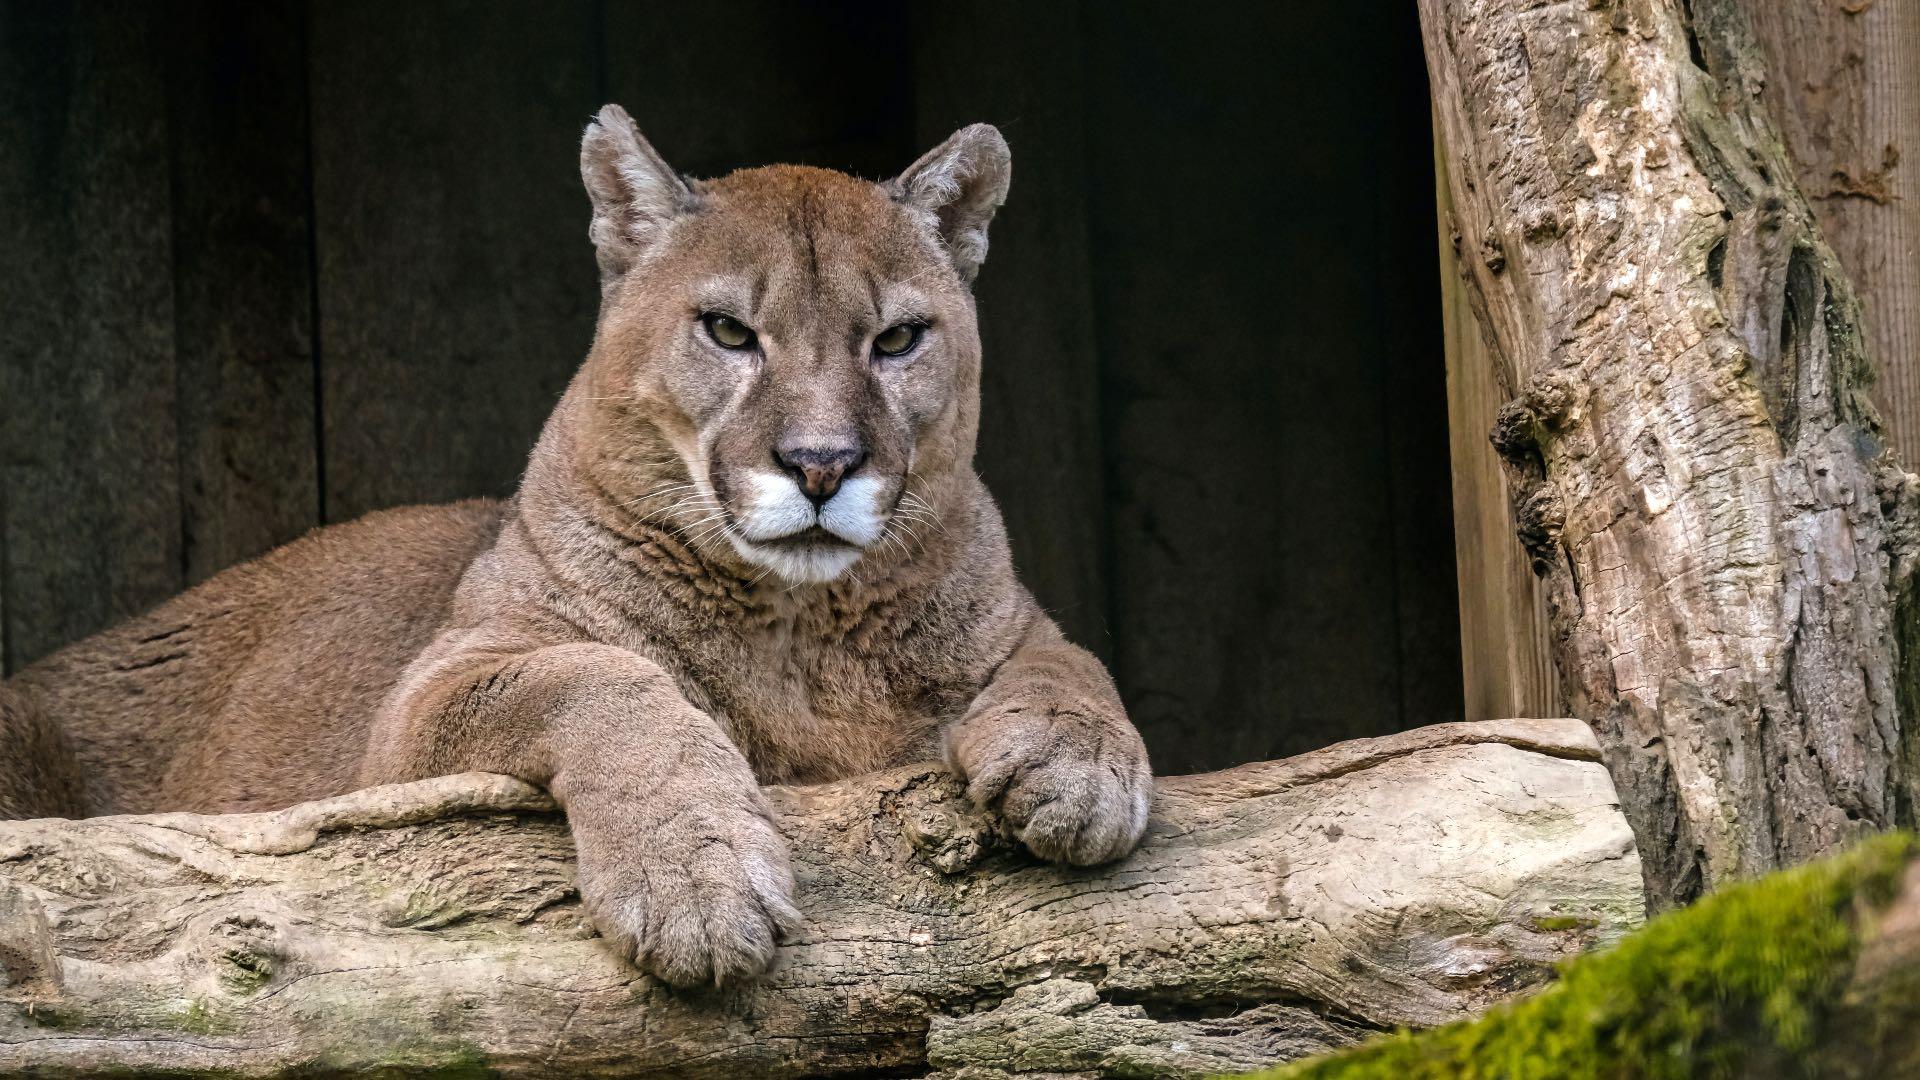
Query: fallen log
{"type": "Point", "coordinates": [1813, 971]}
{"type": "Point", "coordinates": [1274, 911]}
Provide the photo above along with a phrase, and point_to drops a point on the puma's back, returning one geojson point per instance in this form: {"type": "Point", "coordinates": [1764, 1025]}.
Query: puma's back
{"type": "Point", "coordinates": [252, 687]}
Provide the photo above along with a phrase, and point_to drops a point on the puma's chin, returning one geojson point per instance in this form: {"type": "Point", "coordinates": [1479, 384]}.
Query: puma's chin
{"type": "Point", "coordinates": [811, 557]}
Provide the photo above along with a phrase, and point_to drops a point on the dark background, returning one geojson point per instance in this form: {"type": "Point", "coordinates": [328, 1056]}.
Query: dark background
{"type": "Point", "coordinates": [269, 265]}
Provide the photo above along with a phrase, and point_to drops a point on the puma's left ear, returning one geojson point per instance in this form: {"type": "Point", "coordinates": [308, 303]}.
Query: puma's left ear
{"type": "Point", "coordinates": [959, 184]}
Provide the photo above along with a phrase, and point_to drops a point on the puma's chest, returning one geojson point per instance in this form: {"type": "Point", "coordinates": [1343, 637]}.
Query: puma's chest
{"type": "Point", "coordinates": [806, 707]}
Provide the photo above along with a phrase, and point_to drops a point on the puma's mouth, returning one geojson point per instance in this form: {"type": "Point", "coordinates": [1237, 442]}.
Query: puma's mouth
{"type": "Point", "coordinates": [775, 510]}
{"type": "Point", "coordinates": [811, 536]}
{"type": "Point", "coordinates": [811, 555]}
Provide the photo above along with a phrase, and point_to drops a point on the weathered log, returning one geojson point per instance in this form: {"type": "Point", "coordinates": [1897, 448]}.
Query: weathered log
{"type": "Point", "coordinates": [1698, 472]}
{"type": "Point", "coordinates": [1809, 972]}
{"type": "Point", "coordinates": [1274, 911]}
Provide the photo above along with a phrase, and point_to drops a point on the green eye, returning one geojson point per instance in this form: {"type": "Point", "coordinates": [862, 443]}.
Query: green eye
{"type": "Point", "coordinates": [727, 331]}
{"type": "Point", "coordinates": [895, 340]}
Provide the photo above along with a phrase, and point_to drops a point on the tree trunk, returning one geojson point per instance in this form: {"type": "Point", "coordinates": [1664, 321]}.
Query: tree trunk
{"type": "Point", "coordinates": [1275, 911]}
{"type": "Point", "coordinates": [1698, 472]}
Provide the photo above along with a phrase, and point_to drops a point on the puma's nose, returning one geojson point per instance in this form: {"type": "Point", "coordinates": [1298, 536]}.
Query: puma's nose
{"type": "Point", "coordinates": [819, 470]}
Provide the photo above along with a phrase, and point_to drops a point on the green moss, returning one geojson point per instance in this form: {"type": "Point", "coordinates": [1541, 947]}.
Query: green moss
{"type": "Point", "coordinates": [1746, 978]}
{"type": "Point", "coordinates": [1555, 923]}
{"type": "Point", "coordinates": [196, 1019]}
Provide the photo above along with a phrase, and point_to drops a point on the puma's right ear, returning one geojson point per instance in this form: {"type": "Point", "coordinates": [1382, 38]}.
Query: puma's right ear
{"type": "Point", "coordinates": [635, 193]}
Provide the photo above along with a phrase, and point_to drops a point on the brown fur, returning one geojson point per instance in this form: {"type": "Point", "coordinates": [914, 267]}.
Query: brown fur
{"type": "Point", "coordinates": [611, 632]}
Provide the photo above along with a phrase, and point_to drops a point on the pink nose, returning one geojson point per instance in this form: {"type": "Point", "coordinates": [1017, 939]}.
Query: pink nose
{"type": "Point", "coordinates": [819, 471]}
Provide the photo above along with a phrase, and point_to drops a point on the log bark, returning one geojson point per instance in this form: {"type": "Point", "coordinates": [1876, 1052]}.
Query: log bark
{"type": "Point", "coordinates": [1274, 911]}
{"type": "Point", "coordinates": [1698, 471]}
{"type": "Point", "coordinates": [1811, 972]}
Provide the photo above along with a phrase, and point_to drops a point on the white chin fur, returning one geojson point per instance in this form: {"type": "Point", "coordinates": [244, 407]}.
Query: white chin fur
{"type": "Point", "coordinates": [813, 563]}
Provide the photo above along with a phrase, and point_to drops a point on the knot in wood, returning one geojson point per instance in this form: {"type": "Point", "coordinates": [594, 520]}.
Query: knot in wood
{"type": "Point", "coordinates": [1513, 434]}
{"type": "Point", "coordinates": [949, 840]}
{"type": "Point", "coordinates": [1542, 517]}
{"type": "Point", "coordinates": [1492, 252]}
{"type": "Point", "coordinates": [1554, 397]}
{"type": "Point", "coordinates": [244, 951]}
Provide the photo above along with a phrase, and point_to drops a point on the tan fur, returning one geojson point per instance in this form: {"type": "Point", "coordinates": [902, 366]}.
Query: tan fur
{"type": "Point", "coordinates": [609, 632]}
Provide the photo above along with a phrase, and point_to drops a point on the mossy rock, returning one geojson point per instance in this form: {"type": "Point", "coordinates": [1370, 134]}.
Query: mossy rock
{"type": "Point", "coordinates": [1751, 981]}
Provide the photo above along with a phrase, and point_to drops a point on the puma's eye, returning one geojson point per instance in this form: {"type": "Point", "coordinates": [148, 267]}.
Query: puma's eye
{"type": "Point", "coordinates": [727, 331]}
{"type": "Point", "coordinates": [895, 340]}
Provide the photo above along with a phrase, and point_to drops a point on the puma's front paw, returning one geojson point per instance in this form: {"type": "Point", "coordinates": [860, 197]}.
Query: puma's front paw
{"type": "Point", "coordinates": [701, 898]}
{"type": "Point", "coordinates": [1071, 784]}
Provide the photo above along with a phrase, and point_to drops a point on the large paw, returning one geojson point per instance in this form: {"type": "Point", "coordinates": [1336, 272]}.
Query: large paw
{"type": "Point", "coordinates": [1074, 788]}
{"type": "Point", "coordinates": [701, 899]}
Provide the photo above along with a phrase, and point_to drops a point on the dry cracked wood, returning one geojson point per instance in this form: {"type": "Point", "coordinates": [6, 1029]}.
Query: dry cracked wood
{"type": "Point", "coordinates": [1274, 910]}
{"type": "Point", "coordinates": [1697, 469]}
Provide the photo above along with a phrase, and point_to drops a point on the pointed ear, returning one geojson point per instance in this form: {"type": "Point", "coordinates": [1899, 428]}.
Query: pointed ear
{"type": "Point", "coordinates": [635, 193]}
{"type": "Point", "coordinates": [959, 184]}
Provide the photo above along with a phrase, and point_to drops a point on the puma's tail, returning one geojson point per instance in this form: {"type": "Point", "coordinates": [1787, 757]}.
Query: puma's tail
{"type": "Point", "coordinates": [38, 774]}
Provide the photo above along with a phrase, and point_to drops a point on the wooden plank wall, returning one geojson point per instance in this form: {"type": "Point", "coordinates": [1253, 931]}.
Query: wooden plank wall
{"type": "Point", "coordinates": [271, 265]}
{"type": "Point", "coordinates": [1254, 442]}
{"type": "Point", "coordinates": [1845, 90]}
{"type": "Point", "coordinates": [1505, 639]}
{"type": "Point", "coordinates": [88, 389]}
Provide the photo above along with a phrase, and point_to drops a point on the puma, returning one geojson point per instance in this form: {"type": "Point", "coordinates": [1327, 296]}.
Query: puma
{"type": "Point", "coordinates": [749, 547]}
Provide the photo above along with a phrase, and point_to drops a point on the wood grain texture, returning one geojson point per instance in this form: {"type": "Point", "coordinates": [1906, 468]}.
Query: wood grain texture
{"type": "Point", "coordinates": [431, 927]}
{"type": "Point", "coordinates": [242, 288]}
{"type": "Point", "coordinates": [456, 286]}
{"type": "Point", "coordinates": [1506, 648]}
{"type": "Point", "coordinates": [88, 387]}
{"type": "Point", "coordinates": [1040, 440]}
{"type": "Point", "coordinates": [1843, 83]}
{"type": "Point", "coordinates": [1729, 549]}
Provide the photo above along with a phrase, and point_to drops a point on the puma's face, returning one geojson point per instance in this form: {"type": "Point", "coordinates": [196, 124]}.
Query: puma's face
{"type": "Point", "coordinates": [805, 335]}
{"type": "Point", "coordinates": [797, 345]}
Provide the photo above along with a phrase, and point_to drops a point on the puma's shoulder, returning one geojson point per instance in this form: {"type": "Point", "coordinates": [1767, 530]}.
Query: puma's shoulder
{"type": "Point", "coordinates": [291, 642]}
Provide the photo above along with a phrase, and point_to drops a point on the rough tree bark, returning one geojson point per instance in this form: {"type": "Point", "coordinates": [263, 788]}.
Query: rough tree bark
{"type": "Point", "coordinates": [1274, 911]}
{"type": "Point", "coordinates": [1697, 469]}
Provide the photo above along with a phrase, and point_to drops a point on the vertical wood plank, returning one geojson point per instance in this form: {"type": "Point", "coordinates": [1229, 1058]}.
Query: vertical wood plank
{"type": "Point", "coordinates": [1845, 92]}
{"type": "Point", "coordinates": [1019, 68]}
{"type": "Point", "coordinates": [1244, 365]}
{"type": "Point", "coordinates": [456, 288]}
{"type": "Point", "coordinates": [1505, 641]}
{"type": "Point", "coordinates": [87, 389]}
{"type": "Point", "coordinates": [243, 290]}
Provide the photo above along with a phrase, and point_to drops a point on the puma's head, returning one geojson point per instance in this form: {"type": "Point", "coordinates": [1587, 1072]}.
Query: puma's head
{"type": "Point", "coordinates": [787, 358]}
